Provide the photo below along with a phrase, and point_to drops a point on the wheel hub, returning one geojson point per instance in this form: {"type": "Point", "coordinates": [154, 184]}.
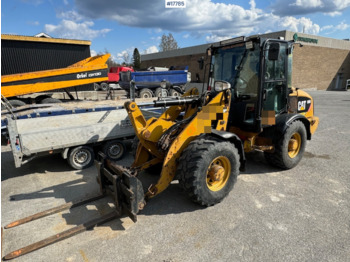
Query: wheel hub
{"type": "Point", "coordinates": [114, 150]}
{"type": "Point", "coordinates": [294, 145]}
{"type": "Point", "coordinates": [81, 157]}
{"type": "Point", "coordinates": [216, 172]}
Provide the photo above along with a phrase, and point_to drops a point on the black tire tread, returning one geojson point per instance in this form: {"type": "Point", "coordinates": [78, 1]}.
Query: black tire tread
{"type": "Point", "coordinates": [277, 158]}
{"type": "Point", "coordinates": [189, 163]}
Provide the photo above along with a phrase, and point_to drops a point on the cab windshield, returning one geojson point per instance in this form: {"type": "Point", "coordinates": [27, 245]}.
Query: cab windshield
{"type": "Point", "coordinates": [240, 67]}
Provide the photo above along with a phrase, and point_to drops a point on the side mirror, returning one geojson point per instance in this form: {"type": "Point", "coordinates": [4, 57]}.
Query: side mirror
{"type": "Point", "coordinates": [221, 86]}
{"type": "Point", "coordinates": [201, 62]}
{"type": "Point", "coordinates": [209, 51]}
{"type": "Point", "coordinates": [274, 51]}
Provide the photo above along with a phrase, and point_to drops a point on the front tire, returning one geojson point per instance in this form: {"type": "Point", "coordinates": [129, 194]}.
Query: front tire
{"type": "Point", "coordinates": [81, 157]}
{"type": "Point", "coordinates": [114, 150]}
{"type": "Point", "coordinates": [208, 169]}
{"type": "Point", "coordinates": [290, 148]}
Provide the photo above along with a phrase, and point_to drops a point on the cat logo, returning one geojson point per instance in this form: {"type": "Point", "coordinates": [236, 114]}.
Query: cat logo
{"type": "Point", "coordinates": [301, 105]}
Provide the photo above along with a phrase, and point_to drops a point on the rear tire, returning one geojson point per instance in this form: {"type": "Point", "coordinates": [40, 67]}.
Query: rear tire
{"type": "Point", "coordinates": [50, 100]}
{"type": "Point", "coordinates": [114, 150]}
{"type": "Point", "coordinates": [208, 169]}
{"type": "Point", "coordinates": [290, 148]}
{"type": "Point", "coordinates": [146, 93]}
{"type": "Point", "coordinates": [81, 157]}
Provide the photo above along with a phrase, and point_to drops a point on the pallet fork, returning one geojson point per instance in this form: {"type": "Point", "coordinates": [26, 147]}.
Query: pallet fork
{"type": "Point", "coordinates": [119, 183]}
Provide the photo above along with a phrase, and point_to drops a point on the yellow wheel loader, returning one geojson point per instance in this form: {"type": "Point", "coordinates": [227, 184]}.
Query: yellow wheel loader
{"type": "Point", "coordinates": [201, 139]}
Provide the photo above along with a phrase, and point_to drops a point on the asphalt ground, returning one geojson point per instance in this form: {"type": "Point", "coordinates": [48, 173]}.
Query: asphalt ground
{"type": "Point", "coordinates": [301, 214]}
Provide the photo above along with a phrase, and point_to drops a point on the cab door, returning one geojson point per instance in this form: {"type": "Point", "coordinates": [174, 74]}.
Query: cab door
{"type": "Point", "coordinates": [274, 81]}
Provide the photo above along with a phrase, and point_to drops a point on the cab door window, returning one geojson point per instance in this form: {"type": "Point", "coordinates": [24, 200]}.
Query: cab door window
{"type": "Point", "coordinates": [275, 81]}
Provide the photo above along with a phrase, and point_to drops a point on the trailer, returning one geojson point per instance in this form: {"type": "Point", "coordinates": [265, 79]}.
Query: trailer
{"type": "Point", "coordinates": [169, 81]}
{"type": "Point", "coordinates": [75, 130]}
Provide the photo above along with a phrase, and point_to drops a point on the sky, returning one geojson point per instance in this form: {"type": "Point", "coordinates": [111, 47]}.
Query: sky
{"type": "Point", "coordinates": [120, 26]}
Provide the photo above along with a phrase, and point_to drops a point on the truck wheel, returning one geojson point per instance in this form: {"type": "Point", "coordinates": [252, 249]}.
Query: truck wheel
{"type": "Point", "coordinates": [174, 93]}
{"type": "Point", "coordinates": [290, 148]}
{"type": "Point", "coordinates": [146, 93]}
{"type": "Point", "coordinates": [114, 149]}
{"type": "Point", "coordinates": [208, 169]}
{"type": "Point", "coordinates": [50, 100]}
{"type": "Point", "coordinates": [81, 157]}
{"type": "Point", "coordinates": [160, 92]}
{"type": "Point", "coordinates": [16, 103]}
{"type": "Point", "coordinates": [96, 87]}
{"type": "Point", "coordinates": [104, 86]}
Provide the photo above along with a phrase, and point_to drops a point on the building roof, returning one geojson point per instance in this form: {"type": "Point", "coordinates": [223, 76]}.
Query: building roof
{"type": "Point", "coordinates": [44, 39]}
{"type": "Point", "coordinates": [288, 35]}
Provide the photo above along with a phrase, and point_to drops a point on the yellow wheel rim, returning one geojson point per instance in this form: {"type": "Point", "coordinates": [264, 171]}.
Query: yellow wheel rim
{"type": "Point", "coordinates": [218, 173]}
{"type": "Point", "coordinates": [294, 145]}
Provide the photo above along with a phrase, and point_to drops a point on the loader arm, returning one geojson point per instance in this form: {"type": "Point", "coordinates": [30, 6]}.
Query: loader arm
{"type": "Point", "coordinates": [213, 114]}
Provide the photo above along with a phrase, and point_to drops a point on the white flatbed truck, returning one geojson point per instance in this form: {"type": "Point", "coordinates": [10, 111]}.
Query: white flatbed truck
{"type": "Point", "coordinates": [75, 130]}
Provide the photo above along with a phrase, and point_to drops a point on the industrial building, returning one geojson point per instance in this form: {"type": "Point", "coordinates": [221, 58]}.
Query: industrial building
{"type": "Point", "coordinates": [22, 54]}
{"type": "Point", "coordinates": [318, 63]}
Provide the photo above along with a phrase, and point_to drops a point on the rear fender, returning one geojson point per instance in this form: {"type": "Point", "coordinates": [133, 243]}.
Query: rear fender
{"type": "Point", "coordinates": [285, 120]}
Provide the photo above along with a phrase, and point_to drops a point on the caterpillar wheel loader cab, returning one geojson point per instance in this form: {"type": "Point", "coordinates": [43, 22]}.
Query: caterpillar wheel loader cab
{"type": "Point", "coordinates": [266, 112]}
{"type": "Point", "coordinates": [202, 139]}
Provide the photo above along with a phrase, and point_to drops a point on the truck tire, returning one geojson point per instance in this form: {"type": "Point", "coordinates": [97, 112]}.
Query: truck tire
{"type": "Point", "coordinates": [208, 169]}
{"type": "Point", "coordinates": [50, 100]}
{"type": "Point", "coordinates": [16, 102]}
{"type": "Point", "coordinates": [174, 93]}
{"type": "Point", "coordinates": [114, 149]}
{"type": "Point", "coordinates": [96, 87]}
{"type": "Point", "coordinates": [160, 92]}
{"type": "Point", "coordinates": [104, 86]}
{"type": "Point", "coordinates": [146, 93]}
{"type": "Point", "coordinates": [290, 148]}
{"type": "Point", "coordinates": [81, 157]}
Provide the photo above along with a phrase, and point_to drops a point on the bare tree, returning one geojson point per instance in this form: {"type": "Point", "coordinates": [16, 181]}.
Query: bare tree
{"type": "Point", "coordinates": [168, 42]}
{"type": "Point", "coordinates": [110, 62]}
{"type": "Point", "coordinates": [126, 58]}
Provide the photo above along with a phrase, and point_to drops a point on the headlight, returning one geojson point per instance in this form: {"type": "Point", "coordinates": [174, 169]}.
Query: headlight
{"type": "Point", "coordinates": [221, 86]}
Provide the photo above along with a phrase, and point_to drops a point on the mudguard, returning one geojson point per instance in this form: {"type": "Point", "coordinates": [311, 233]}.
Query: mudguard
{"type": "Point", "coordinates": [284, 121]}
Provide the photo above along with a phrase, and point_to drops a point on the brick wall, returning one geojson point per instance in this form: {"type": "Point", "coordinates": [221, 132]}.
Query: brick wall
{"type": "Point", "coordinates": [318, 67]}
